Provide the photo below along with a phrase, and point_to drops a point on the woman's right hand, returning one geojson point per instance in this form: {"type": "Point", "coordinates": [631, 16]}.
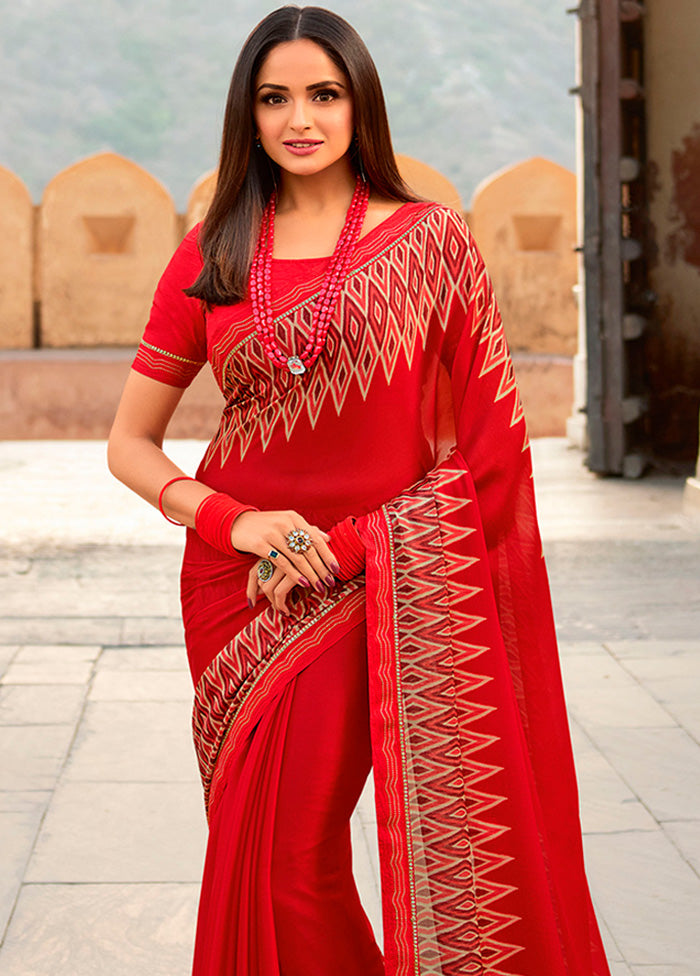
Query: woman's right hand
{"type": "Point", "coordinates": [262, 532]}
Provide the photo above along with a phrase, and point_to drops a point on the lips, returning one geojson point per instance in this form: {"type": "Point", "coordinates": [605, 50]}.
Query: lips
{"type": "Point", "coordinates": [302, 147]}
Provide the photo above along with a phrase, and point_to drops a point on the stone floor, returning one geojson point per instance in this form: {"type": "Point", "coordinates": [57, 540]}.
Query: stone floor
{"type": "Point", "coordinates": [101, 817]}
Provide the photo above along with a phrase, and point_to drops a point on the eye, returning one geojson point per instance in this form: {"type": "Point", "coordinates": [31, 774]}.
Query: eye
{"type": "Point", "coordinates": [272, 98]}
{"type": "Point", "coordinates": [326, 95]}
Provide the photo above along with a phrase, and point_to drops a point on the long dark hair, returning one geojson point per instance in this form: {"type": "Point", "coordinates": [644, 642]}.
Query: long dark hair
{"type": "Point", "coordinates": [247, 176]}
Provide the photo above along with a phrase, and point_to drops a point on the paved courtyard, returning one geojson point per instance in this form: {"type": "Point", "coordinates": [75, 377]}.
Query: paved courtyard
{"type": "Point", "coordinates": [101, 817]}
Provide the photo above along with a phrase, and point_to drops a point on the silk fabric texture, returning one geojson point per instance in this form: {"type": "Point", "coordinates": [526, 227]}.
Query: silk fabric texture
{"type": "Point", "coordinates": [410, 421]}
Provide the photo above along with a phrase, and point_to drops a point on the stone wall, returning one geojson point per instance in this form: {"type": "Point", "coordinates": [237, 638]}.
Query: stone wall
{"type": "Point", "coordinates": [106, 228]}
{"type": "Point", "coordinates": [524, 219]}
{"type": "Point", "coordinates": [106, 231]}
{"type": "Point", "coordinates": [17, 263]}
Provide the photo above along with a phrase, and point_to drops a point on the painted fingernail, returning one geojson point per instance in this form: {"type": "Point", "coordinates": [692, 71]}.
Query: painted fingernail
{"type": "Point", "coordinates": [304, 582]}
{"type": "Point", "coordinates": [251, 604]}
{"type": "Point", "coordinates": [319, 586]}
{"type": "Point", "coordinates": [335, 567]}
{"type": "Point", "coordinates": [330, 580]}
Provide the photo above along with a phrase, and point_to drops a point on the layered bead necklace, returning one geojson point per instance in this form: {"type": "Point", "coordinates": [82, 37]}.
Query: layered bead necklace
{"type": "Point", "coordinates": [261, 283]}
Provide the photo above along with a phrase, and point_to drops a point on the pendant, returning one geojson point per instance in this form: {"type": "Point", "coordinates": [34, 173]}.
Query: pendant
{"type": "Point", "coordinates": [296, 366]}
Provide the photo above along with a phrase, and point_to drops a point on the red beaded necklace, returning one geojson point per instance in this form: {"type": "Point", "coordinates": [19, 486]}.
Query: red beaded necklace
{"type": "Point", "coordinates": [261, 283]}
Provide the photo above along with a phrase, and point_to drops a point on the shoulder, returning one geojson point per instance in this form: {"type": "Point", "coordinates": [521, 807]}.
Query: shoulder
{"type": "Point", "coordinates": [186, 261]}
{"type": "Point", "coordinates": [181, 271]}
{"type": "Point", "coordinates": [445, 246]}
{"type": "Point", "coordinates": [444, 221]}
{"type": "Point", "coordinates": [436, 220]}
{"type": "Point", "coordinates": [436, 235]}
{"type": "Point", "coordinates": [189, 245]}
{"type": "Point", "coordinates": [379, 210]}
{"type": "Point", "coordinates": [441, 229]}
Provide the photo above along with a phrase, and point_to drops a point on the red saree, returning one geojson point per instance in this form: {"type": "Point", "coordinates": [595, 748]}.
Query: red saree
{"type": "Point", "coordinates": [411, 422]}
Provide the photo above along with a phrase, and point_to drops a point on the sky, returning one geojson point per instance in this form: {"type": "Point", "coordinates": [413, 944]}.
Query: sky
{"type": "Point", "coordinates": [470, 87]}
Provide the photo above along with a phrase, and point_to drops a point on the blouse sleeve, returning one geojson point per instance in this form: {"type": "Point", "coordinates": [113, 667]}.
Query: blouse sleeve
{"type": "Point", "coordinates": [174, 346]}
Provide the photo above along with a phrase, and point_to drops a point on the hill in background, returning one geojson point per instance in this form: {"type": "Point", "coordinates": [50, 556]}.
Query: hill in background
{"type": "Point", "coordinates": [470, 86]}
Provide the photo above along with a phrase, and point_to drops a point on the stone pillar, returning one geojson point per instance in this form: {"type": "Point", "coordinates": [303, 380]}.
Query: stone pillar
{"type": "Point", "coordinates": [672, 86]}
{"type": "Point", "coordinates": [107, 230]}
{"type": "Point", "coordinates": [576, 427]}
{"type": "Point", "coordinates": [16, 261]}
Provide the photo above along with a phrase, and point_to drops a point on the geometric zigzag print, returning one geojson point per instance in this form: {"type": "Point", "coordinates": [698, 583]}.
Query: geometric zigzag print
{"type": "Point", "coordinates": [421, 281]}
{"type": "Point", "coordinates": [453, 819]}
{"type": "Point", "coordinates": [248, 666]}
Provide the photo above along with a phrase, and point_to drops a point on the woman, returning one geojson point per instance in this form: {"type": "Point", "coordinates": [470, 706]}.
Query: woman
{"type": "Point", "coordinates": [363, 580]}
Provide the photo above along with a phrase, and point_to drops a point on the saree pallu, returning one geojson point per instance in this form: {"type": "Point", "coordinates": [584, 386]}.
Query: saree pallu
{"type": "Point", "coordinates": [479, 836]}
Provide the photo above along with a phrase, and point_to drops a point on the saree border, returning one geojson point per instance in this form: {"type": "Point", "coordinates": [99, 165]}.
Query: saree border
{"type": "Point", "coordinates": [389, 758]}
{"type": "Point", "coordinates": [245, 676]}
{"type": "Point", "coordinates": [466, 939]}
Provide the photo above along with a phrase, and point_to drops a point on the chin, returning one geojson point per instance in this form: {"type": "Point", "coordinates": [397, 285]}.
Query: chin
{"type": "Point", "coordinates": [305, 170]}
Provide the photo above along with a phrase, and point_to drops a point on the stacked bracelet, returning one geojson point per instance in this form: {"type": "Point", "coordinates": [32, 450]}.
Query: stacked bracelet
{"type": "Point", "coordinates": [348, 548]}
{"type": "Point", "coordinates": [214, 518]}
{"type": "Point", "coordinates": [180, 477]}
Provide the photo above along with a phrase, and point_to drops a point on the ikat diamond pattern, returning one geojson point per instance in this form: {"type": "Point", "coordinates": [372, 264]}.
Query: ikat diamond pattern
{"type": "Point", "coordinates": [430, 279]}
{"type": "Point", "coordinates": [252, 663]}
{"type": "Point", "coordinates": [449, 769]}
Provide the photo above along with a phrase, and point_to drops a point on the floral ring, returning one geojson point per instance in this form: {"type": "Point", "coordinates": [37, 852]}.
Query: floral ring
{"type": "Point", "coordinates": [265, 570]}
{"type": "Point", "coordinates": [298, 540]}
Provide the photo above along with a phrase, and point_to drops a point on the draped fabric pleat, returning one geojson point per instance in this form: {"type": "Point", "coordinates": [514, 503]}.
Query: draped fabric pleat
{"type": "Point", "coordinates": [278, 895]}
{"type": "Point", "coordinates": [236, 928]}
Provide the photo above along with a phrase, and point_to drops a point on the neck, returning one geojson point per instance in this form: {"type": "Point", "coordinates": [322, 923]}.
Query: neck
{"type": "Point", "coordinates": [323, 192]}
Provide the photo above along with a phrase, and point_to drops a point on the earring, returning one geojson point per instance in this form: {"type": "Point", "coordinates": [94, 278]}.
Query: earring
{"type": "Point", "coordinates": [258, 144]}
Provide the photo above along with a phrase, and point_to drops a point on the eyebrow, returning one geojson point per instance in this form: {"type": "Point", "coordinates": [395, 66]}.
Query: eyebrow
{"type": "Point", "coordinates": [318, 84]}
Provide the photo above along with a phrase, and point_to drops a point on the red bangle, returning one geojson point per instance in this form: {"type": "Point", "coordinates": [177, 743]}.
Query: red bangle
{"type": "Point", "coordinates": [214, 518]}
{"type": "Point", "coordinates": [348, 548]}
{"type": "Point", "coordinates": [180, 477]}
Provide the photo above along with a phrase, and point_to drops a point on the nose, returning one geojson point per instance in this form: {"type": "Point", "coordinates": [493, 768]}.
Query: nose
{"type": "Point", "coordinates": [300, 119]}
